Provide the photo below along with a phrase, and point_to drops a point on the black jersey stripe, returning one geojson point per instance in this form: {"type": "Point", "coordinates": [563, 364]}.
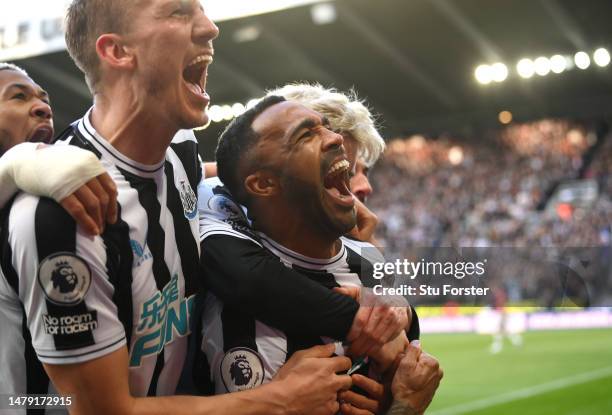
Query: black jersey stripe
{"type": "Point", "coordinates": [6, 260]}
{"type": "Point", "coordinates": [37, 381]}
{"type": "Point", "coordinates": [187, 152]}
{"type": "Point", "coordinates": [78, 140]}
{"type": "Point", "coordinates": [64, 228]}
{"type": "Point", "coordinates": [362, 267]}
{"type": "Point", "coordinates": [238, 329]}
{"type": "Point", "coordinates": [186, 244]}
{"type": "Point", "coordinates": [119, 262]}
{"type": "Point", "coordinates": [159, 365]}
{"type": "Point", "coordinates": [147, 196]}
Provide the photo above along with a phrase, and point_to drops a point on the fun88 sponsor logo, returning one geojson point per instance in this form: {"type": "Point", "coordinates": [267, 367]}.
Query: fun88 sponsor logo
{"type": "Point", "coordinates": [163, 318]}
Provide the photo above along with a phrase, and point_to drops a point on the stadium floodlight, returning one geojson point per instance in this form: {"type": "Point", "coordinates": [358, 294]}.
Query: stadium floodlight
{"type": "Point", "coordinates": [455, 155]}
{"type": "Point", "coordinates": [525, 68]}
{"type": "Point", "coordinates": [226, 112]}
{"type": "Point", "coordinates": [558, 63]}
{"type": "Point", "coordinates": [499, 72]}
{"type": "Point", "coordinates": [324, 13]}
{"type": "Point", "coordinates": [582, 60]}
{"type": "Point", "coordinates": [484, 74]}
{"type": "Point", "coordinates": [252, 103]}
{"type": "Point", "coordinates": [601, 57]}
{"type": "Point", "coordinates": [214, 113]}
{"type": "Point", "coordinates": [238, 109]}
{"type": "Point", "coordinates": [542, 66]}
{"type": "Point", "coordinates": [505, 117]}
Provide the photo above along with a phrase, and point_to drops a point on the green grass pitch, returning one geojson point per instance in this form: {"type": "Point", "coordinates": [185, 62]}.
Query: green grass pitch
{"type": "Point", "coordinates": [553, 372]}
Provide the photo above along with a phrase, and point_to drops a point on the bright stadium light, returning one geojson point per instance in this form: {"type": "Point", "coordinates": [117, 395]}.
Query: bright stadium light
{"type": "Point", "coordinates": [324, 13]}
{"type": "Point", "coordinates": [542, 66]}
{"type": "Point", "coordinates": [525, 68]}
{"type": "Point", "coordinates": [238, 109]}
{"type": "Point", "coordinates": [558, 63]}
{"type": "Point", "coordinates": [214, 113]}
{"type": "Point", "coordinates": [499, 72]}
{"type": "Point", "coordinates": [601, 57]}
{"type": "Point", "coordinates": [582, 60]}
{"type": "Point", "coordinates": [505, 117]}
{"type": "Point", "coordinates": [455, 155]}
{"type": "Point", "coordinates": [484, 74]}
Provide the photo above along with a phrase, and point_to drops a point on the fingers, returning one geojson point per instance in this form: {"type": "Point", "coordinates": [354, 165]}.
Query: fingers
{"type": "Point", "coordinates": [102, 199]}
{"type": "Point", "coordinates": [413, 351]}
{"type": "Point", "coordinates": [374, 389]}
{"type": "Point", "coordinates": [348, 409]}
{"type": "Point", "coordinates": [390, 324]}
{"type": "Point", "coordinates": [325, 350]}
{"type": "Point", "coordinates": [340, 363]}
{"type": "Point", "coordinates": [110, 188]}
{"type": "Point", "coordinates": [343, 382]}
{"type": "Point", "coordinates": [91, 204]}
{"type": "Point", "coordinates": [359, 322]}
{"type": "Point", "coordinates": [359, 401]}
{"type": "Point", "coordinates": [76, 209]}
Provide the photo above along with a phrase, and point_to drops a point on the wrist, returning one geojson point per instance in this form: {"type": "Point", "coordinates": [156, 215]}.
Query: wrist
{"type": "Point", "coordinates": [401, 408]}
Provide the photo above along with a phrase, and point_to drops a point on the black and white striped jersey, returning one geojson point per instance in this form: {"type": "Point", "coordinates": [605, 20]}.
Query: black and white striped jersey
{"type": "Point", "coordinates": [241, 350]}
{"type": "Point", "coordinates": [244, 352]}
{"type": "Point", "coordinates": [66, 297]}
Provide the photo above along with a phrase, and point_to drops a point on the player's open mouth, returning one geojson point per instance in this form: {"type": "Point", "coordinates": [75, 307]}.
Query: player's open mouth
{"type": "Point", "coordinates": [336, 183]}
{"type": "Point", "coordinates": [42, 134]}
{"type": "Point", "coordinates": [195, 75]}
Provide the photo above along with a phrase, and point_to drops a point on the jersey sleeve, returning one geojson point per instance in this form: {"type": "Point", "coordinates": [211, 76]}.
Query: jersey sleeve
{"type": "Point", "coordinates": [243, 274]}
{"type": "Point", "coordinates": [61, 278]}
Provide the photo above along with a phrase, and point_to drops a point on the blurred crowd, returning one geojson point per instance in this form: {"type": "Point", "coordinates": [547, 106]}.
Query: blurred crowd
{"type": "Point", "coordinates": [488, 191]}
{"type": "Point", "coordinates": [491, 191]}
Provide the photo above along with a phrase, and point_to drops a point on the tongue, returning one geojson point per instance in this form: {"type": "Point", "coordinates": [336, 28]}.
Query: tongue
{"type": "Point", "coordinates": [195, 88]}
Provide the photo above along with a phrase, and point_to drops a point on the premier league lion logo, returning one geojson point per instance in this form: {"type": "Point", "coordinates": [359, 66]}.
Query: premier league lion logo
{"type": "Point", "coordinates": [64, 278]}
{"type": "Point", "coordinates": [241, 371]}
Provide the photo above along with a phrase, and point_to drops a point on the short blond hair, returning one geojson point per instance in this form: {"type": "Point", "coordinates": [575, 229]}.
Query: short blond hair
{"type": "Point", "coordinates": [346, 113]}
{"type": "Point", "coordinates": [86, 21]}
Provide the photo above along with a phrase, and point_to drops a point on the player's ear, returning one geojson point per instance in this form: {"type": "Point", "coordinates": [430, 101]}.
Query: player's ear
{"type": "Point", "coordinates": [261, 184]}
{"type": "Point", "coordinates": [113, 52]}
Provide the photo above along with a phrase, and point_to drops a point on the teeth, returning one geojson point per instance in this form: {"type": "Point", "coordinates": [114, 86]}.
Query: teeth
{"type": "Point", "coordinates": [202, 58]}
{"type": "Point", "coordinates": [339, 166]}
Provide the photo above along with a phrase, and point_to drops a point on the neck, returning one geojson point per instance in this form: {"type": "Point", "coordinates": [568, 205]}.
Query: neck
{"type": "Point", "coordinates": [295, 234]}
{"type": "Point", "coordinates": [128, 126]}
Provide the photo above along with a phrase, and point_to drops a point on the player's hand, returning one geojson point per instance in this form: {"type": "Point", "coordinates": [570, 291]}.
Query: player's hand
{"type": "Point", "coordinates": [355, 404]}
{"type": "Point", "coordinates": [311, 380]}
{"type": "Point", "coordinates": [376, 322]}
{"type": "Point", "coordinates": [385, 357]}
{"type": "Point", "coordinates": [416, 380]}
{"type": "Point", "coordinates": [367, 221]}
{"type": "Point", "coordinates": [93, 204]}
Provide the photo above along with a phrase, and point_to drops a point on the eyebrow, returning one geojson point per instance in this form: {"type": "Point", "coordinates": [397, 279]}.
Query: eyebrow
{"type": "Point", "coordinates": [309, 123]}
{"type": "Point", "coordinates": [28, 89]}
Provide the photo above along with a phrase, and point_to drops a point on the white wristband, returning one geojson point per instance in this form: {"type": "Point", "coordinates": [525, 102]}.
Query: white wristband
{"type": "Point", "coordinates": [50, 171]}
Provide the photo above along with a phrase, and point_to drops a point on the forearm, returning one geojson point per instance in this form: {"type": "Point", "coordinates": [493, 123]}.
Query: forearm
{"type": "Point", "coordinates": [243, 274]}
{"type": "Point", "coordinates": [264, 400]}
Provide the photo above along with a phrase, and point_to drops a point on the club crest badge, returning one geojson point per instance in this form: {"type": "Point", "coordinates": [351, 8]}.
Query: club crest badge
{"type": "Point", "coordinates": [226, 208]}
{"type": "Point", "coordinates": [189, 200]}
{"type": "Point", "coordinates": [241, 369]}
{"type": "Point", "coordinates": [65, 278]}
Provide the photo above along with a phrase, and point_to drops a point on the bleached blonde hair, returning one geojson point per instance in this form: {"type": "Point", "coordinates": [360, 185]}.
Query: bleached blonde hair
{"type": "Point", "coordinates": [346, 114]}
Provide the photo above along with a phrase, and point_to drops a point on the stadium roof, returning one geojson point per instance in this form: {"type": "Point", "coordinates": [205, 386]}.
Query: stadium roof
{"type": "Point", "coordinates": [413, 60]}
